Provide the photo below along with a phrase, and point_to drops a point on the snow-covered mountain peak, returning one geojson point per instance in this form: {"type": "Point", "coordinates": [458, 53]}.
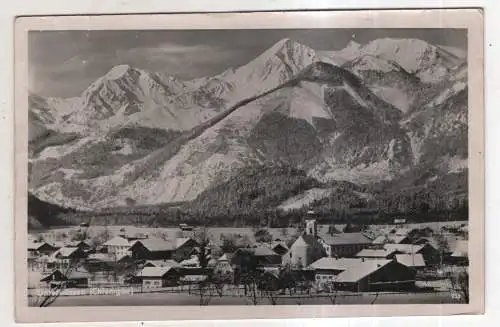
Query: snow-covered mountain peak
{"type": "Point", "coordinates": [118, 72]}
{"type": "Point", "coordinates": [287, 51]}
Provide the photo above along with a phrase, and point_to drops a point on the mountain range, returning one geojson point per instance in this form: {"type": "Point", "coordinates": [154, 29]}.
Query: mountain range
{"type": "Point", "coordinates": [366, 114]}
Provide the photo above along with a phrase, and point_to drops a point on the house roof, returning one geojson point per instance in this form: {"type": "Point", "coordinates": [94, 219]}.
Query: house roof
{"type": "Point", "coordinates": [163, 263]}
{"type": "Point", "coordinates": [154, 271]}
{"type": "Point", "coordinates": [404, 248]}
{"type": "Point", "coordinates": [32, 245]}
{"type": "Point", "coordinates": [375, 253]}
{"type": "Point", "coordinates": [411, 260]}
{"type": "Point", "coordinates": [346, 238]}
{"type": "Point", "coordinates": [278, 243]}
{"type": "Point", "coordinates": [263, 251]}
{"type": "Point", "coordinates": [64, 252]}
{"type": "Point", "coordinates": [117, 241]}
{"type": "Point", "coordinates": [360, 270]}
{"type": "Point", "coordinates": [77, 243]}
{"type": "Point", "coordinates": [78, 273]}
{"type": "Point", "coordinates": [327, 263]}
{"type": "Point", "coordinates": [156, 244]}
{"type": "Point", "coordinates": [180, 241]}
{"type": "Point", "coordinates": [461, 249]}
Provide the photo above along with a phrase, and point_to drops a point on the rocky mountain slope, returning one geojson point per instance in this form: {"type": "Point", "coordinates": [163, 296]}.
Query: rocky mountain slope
{"type": "Point", "coordinates": [365, 114]}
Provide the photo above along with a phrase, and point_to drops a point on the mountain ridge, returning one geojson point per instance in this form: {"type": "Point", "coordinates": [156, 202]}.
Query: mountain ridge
{"type": "Point", "coordinates": [291, 103]}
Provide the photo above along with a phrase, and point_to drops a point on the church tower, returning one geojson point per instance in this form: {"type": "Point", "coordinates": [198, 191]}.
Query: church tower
{"type": "Point", "coordinates": [311, 227]}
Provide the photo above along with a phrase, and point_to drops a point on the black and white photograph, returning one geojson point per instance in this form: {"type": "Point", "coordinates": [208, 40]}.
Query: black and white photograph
{"type": "Point", "coordinates": [247, 167]}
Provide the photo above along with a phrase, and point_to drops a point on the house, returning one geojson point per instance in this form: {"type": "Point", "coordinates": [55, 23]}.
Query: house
{"type": "Point", "coordinates": [307, 248]}
{"type": "Point", "coordinates": [64, 257]}
{"type": "Point", "coordinates": [371, 254]}
{"type": "Point", "coordinates": [415, 261]}
{"type": "Point", "coordinates": [36, 248]}
{"type": "Point", "coordinates": [158, 276]}
{"type": "Point", "coordinates": [248, 259]}
{"type": "Point", "coordinates": [326, 269]}
{"type": "Point", "coordinates": [78, 278]}
{"type": "Point", "coordinates": [184, 248]}
{"type": "Point", "coordinates": [152, 249]}
{"type": "Point", "coordinates": [460, 254]}
{"type": "Point", "coordinates": [345, 244]}
{"type": "Point", "coordinates": [359, 275]}
{"type": "Point", "coordinates": [38, 253]}
{"type": "Point", "coordinates": [430, 254]}
{"type": "Point", "coordinates": [118, 245]}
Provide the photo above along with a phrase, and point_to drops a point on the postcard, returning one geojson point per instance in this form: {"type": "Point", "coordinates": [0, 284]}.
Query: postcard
{"type": "Point", "coordinates": [249, 165]}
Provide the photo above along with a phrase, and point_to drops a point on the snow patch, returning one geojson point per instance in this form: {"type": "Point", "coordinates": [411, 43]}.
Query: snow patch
{"type": "Point", "coordinates": [305, 198]}
{"type": "Point", "coordinates": [394, 96]}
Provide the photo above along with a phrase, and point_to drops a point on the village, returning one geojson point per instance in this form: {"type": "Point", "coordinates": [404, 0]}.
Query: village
{"type": "Point", "coordinates": [394, 263]}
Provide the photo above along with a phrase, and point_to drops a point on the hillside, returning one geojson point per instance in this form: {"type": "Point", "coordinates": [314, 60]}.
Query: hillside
{"type": "Point", "coordinates": [42, 214]}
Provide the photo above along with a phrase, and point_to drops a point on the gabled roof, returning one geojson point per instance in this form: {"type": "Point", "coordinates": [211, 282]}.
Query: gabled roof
{"type": "Point", "coordinates": [180, 241]}
{"type": "Point", "coordinates": [263, 251]}
{"type": "Point", "coordinates": [346, 238]}
{"type": "Point", "coordinates": [117, 241]}
{"type": "Point", "coordinates": [375, 253]}
{"type": "Point", "coordinates": [411, 260]}
{"type": "Point", "coordinates": [275, 244]}
{"type": "Point", "coordinates": [77, 243]}
{"type": "Point", "coordinates": [404, 248]}
{"type": "Point", "coordinates": [156, 244]}
{"type": "Point", "coordinates": [360, 270]}
{"type": "Point", "coordinates": [32, 245]}
{"type": "Point", "coordinates": [309, 240]}
{"type": "Point", "coordinates": [78, 273]}
{"type": "Point", "coordinates": [163, 263]}
{"type": "Point", "coordinates": [327, 263]}
{"type": "Point", "coordinates": [64, 252]}
{"type": "Point", "coordinates": [260, 251]}
{"type": "Point", "coordinates": [153, 271]}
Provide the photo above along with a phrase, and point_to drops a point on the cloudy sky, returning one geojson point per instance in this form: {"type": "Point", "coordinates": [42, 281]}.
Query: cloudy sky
{"type": "Point", "coordinates": [64, 63]}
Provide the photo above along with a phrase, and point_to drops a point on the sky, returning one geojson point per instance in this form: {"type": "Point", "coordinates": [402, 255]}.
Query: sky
{"type": "Point", "coordinates": [65, 63]}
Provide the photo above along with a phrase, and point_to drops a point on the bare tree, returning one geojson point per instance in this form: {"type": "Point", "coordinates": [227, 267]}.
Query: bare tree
{"type": "Point", "coordinates": [375, 298]}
